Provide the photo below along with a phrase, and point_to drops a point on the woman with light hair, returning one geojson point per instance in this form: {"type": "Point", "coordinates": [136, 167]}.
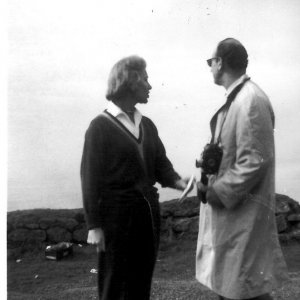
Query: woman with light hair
{"type": "Point", "coordinates": [123, 158]}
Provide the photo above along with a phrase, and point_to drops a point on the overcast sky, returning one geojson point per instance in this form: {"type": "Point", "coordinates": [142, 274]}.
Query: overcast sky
{"type": "Point", "coordinates": [60, 54]}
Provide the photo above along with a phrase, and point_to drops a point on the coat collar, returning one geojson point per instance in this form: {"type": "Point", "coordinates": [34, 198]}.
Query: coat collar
{"type": "Point", "coordinates": [232, 92]}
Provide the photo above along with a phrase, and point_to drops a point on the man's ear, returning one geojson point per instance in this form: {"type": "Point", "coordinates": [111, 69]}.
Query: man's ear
{"type": "Point", "coordinates": [220, 63]}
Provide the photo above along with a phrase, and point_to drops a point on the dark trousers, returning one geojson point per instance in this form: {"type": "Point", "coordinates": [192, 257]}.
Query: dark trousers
{"type": "Point", "coordinates": [125, 269]}
{"type": "Point", "coordinates": [262, 297]}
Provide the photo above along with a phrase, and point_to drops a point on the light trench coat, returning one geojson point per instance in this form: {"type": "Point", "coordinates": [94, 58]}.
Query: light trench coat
{"type": "Point", "coordinates": [238, 253]}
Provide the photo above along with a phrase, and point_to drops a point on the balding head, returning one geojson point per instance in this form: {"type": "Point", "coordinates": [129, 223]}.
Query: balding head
{"type": "Point", "coordinates": [233, 54]}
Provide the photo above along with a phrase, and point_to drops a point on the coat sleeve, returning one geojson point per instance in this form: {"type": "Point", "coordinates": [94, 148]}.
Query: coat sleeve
{"type": "Point", "coordinates": [91, 175]}
{"type": "Point", "coordinates": [254, 142]}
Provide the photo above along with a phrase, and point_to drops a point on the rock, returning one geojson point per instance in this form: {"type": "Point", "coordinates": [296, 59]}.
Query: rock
{"type": "Point", "coordinates": [294, 205]}
{"type": "Point", "coordinates": [80, 235]}
{"type": "Point", "coordinates": [284, 237]}
{"type": "Point", "coordinates": [189, 208]}
{"type": "Point", "coordinates": [37, 235]}
{"type": "Point", "coordinates": [194, 226]}
{"type": "Point", "coordinates": [32, 226]}
{"type": "Point", "coordinates": [166, 230]}
{"type": "Point", "coordinates": [19, 235]}
{"type": "Point", "coordinates": [15, 253]}
{"type": "Point", "coordinates": [282, 205]}
{"type": "Point", "coordinates": [29, 221]}
{"type": "Point", "coordinates": [46, 223]}
{"type": "Point", "coordinates": [295, 234]}
{"type": "Point", "coordinates": [79, 217]}
{"type": "Point", "coordinates": [68, 223]}
{"type": "Point", "coordinates": [10, 227]}
{"type": "Point", "coordinates": [294, 218]}
{"type": "Point", "coordinates": [281, 223]}
{"type": "Point", "coordinates": [181, 225]}
{"type": "Point", "coordinates": [58, 234]}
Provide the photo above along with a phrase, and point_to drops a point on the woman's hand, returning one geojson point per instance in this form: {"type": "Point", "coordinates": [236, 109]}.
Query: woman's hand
{"type": "Point", "coordinates": [96, 237]}
{"type": "Point", "coordinates": [181, 184]}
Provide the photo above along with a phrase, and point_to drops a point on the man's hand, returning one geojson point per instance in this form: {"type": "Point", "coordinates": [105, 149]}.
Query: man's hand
{"type": "Point", "coordinates": [96, 237]}
{"type": "Point", "coordinates": [201, 187]}
{"type": "Point", "coordinates": [213, 199]}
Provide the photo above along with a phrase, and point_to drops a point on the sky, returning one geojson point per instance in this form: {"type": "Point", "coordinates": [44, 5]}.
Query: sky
{"type": "Point", "coordinates": [60, 53]}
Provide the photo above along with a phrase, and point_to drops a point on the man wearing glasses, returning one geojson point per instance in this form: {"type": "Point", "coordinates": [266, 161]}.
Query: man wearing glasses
{"type": "Point", "coordinates": [238, 253]}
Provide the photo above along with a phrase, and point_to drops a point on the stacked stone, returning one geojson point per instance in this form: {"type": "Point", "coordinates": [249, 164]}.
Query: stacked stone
{"type": "Point", "coordinates": [34, 229]}
{"type": "Point", "coordinates": [288, 218]}
{"type": "Point", "coordinates": [179, 220]}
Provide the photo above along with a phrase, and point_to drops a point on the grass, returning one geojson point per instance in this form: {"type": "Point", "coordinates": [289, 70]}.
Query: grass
{"type": "Point", "coordinates": [36, 278]}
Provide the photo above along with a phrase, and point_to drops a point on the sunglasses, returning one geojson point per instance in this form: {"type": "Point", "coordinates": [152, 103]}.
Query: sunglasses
{"type": "Point", "coordinates": [209, 61]}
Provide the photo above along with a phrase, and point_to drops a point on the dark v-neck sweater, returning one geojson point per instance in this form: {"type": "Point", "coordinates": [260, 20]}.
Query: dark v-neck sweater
{"type": "Point", "coordinates": [114, 163]}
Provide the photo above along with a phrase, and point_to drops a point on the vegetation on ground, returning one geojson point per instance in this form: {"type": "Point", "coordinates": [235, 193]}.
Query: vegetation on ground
{"type": "Point", "coordinates": [32, 277]}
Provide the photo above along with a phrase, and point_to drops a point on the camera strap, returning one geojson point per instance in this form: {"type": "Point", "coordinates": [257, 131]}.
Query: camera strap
{"type": "Point", "coordinates": [226, 106]}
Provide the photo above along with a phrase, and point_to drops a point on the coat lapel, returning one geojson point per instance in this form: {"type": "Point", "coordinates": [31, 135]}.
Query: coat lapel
{"type": "Point", "coordinates": [230, 99]}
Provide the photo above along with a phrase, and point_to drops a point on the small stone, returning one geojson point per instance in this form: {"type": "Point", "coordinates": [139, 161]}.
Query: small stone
{"type": "Point", "coordinates": [294, 218]}
{"type": "Point", "coordinates": [281, 223]}
{"type": "Point", "coordinates": [295, 234]}
{"type": "Point", "coordinates": [284, 237]}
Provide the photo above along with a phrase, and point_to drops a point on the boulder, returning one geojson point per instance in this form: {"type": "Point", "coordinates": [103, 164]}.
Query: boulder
{"type": "Point", "coordinates": [37, 235]}
{"type": "Point", "coordinates": [294, 218]}
{"type": "Point", "coordinates": [80, 235]}
{"type": "Point", "coordinates": [19, 235]}
{"type": "Point", "coordinates": [194, 226]}
{"type": "Point", "coordinates": [189, 208]}
{"type": "Point", "coordinates": [79, 217]}
{"type": "Point", "coordinates": [58, 234]}
{"type": "Point", "coordinates": [284, 237]}
{"type": "Point", "coordinates": [282, 205]}
{"type": "Point", "coordinates": [68, 223]}
{"type": "Point", "coordinates": [295, 234]}
{"type": "Point", "coordinates": [47, 222]}
{"type": "Point", "coordinates": [181, 225]}
{"type": "Point", "coordinates": [32, 226]}
{"type": "Point", "coordinates": [286, 205]}
{"type": "Point", "coordinates": [282, 224]}
{"type": "Point", "coordinates": [29, 221]}
{"type": "Point", "coordinates": [10, 227]}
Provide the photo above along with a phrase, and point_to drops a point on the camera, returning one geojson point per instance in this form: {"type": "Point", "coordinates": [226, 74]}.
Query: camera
{"type": "Point", "coordinates": [210, 159]}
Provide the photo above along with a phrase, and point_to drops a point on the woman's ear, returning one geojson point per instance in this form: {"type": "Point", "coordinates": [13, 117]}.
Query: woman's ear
{"type": "Point", "coordinates": [134, 79]}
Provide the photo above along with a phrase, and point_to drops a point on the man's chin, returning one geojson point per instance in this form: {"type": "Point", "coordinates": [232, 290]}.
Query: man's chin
{"type": "Point", "coordinates": [217, 81]}
{"type": "Point", "coordinates": [143, 101]}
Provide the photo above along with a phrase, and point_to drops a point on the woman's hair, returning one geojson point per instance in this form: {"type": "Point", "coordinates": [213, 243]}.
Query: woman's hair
{"type": "Point", "coordinates": [123, 76]}
{"type": "Point", "coordinates": [233, 54]}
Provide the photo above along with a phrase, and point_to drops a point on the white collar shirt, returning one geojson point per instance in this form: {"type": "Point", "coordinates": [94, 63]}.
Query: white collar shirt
{"type": "Point", "coordinates": [120, 115]}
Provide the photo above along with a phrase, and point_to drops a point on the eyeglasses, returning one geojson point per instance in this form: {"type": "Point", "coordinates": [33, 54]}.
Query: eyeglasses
{"type": "Point", "coordinates": [209, 61]}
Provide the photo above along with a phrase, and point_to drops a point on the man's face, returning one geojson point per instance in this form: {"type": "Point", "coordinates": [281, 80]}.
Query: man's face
{"type": "Point", "coordinates": [142, 88]}
{"type": "Point", "coordinates": [215, 68]}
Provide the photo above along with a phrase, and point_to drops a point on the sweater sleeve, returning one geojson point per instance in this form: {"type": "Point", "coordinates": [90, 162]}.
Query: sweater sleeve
{"type": "Point", "coordinates": [91, 175]}
{"type": "Point", "coordinates": [164, 171]}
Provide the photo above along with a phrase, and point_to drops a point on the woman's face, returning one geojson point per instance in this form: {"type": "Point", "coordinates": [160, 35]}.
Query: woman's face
{"type": "Point", "coordinates": [142, 88]}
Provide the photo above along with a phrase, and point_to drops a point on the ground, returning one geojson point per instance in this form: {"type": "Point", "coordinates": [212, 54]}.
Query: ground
{"type": "Point", "coordinates": [34, 277]}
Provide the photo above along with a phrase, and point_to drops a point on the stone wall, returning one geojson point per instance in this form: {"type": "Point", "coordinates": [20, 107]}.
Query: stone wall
{"type": "Point", "coordinates": [32, 230]}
